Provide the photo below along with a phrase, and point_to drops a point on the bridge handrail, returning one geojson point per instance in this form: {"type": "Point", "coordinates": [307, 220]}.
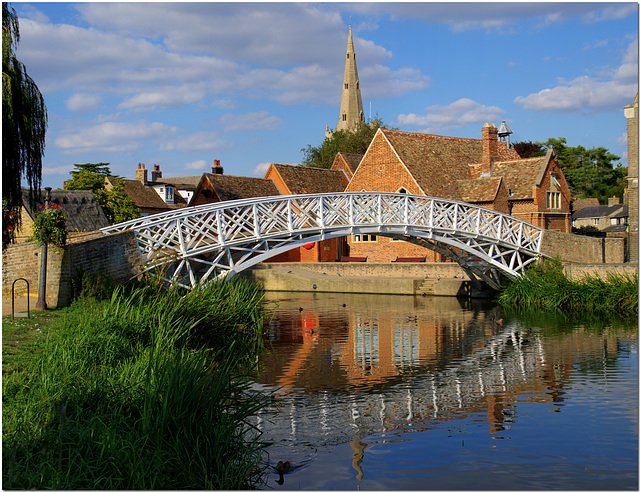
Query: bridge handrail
{"type": "Point", "coordinates": [172, 215]}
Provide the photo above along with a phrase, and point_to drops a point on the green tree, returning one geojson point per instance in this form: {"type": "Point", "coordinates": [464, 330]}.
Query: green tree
{"type": "Point", "coordinates": [89, 176]}
{"type": "Point", "coordinates": [590, 173]}
{"type": "Point", "coordinates": [117, 206]}
{"type": "Point", "coordinates": [24, 118]}
{"type": "Point", "coordinates": [528, 149]}
{"type": "Point", "coordinates": [353, 142]}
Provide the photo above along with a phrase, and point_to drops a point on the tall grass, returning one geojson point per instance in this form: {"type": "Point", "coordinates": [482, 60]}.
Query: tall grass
{"type": "Point", "coordinates": [545, 287]}
{"type": "Point", "coordinates": [141, 391]}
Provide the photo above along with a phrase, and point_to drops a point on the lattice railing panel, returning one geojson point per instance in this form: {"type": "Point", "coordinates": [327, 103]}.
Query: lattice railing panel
{"type": "Point", "coordinates": [211, 240]}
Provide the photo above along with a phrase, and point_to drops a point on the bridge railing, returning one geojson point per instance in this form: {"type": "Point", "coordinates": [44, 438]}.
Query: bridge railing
{"type": "Point", "coordinates": [240, 233]}
{"type": "Point", "coordinates": [235, 220]}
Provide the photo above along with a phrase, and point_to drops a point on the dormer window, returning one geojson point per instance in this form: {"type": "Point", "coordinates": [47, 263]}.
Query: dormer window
{"type": "Point", "coordinates": [168, 194]}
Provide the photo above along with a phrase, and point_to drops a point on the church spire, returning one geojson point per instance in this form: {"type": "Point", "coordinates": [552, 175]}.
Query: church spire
{"type": "Point", "coordinates": [351, 113]}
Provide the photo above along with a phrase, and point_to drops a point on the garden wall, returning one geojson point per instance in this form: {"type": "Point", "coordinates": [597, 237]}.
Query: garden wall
{"type": "Point", "coordinates": [115, 256]}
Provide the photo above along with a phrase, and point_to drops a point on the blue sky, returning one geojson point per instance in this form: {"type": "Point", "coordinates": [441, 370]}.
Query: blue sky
{"type": "Point", "coordinates": [182, 84]}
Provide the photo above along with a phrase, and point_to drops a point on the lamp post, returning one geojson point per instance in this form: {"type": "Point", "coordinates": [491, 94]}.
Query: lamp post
{"type": "Point", "coordinates": [42, 281]}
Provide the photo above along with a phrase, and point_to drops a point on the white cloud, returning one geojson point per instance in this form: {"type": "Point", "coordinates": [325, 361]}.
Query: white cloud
{"type": "Point", "coordinates": [113, 137]}
{"type": "Point", "coordinates": [57, 171]}
{"type": "Point", "coordinates": [200, 164]}
{"type": "Point", "coordinates": [165, 97]}
{"type": "Point", "coordinates": [199, 141]}
{"type": "Point", "coordinates": [495, 16]}
{"type": "Point", "coordinates": [455, 115]}
{"type": "Point", "coordinates": [80, 103]}
{"type": "Point", "coordinates": [261, 120]}
{"type": "Point", "coordinates": [586, 94]}
{"type": "Point", "coordinates": [261, 169]}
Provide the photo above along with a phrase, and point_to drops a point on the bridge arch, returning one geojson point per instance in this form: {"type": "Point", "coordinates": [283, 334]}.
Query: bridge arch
{"type": "Point", "coordinates": [214, 240]}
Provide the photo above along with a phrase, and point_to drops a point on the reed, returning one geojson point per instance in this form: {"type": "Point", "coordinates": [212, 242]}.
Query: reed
{"type": "Point", "coordinates": [140, 391]}
{"type": "Point", "coordinates": [545, 287]}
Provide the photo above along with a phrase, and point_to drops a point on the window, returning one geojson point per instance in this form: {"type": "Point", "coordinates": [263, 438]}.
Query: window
{"type": "Point", "coordinates": [346, 86]}
{"type": "Point", "coordinates": [344, 117]}
{"type": "Point", "coordinates": [401, 190]}
{"type": "Point", "coordinates": [347, 55]}
{"type": "Point", "coordinates": [361, 238]}
{"type": "Point", "coordinates": [553, 199]}
{"type": "Point", "coordinates": [596, 221]}
{"type": "Point", "coordinates": [169, 193]}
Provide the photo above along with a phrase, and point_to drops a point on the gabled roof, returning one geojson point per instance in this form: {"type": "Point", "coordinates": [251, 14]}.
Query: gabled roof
{"type": "Point", "coordinates": [302, 179]}
{"type": "Point", "coordinates": [81, 208]}
{"type": "Point", "coordinates": [479, 190]}
{"type": "Point", "coordinates": [145, 196]}
{"type": "Point", "coordinates": [585, 202]}
{"type": "Point", "coordinates": [182, 182]}
{"type": "Point", "coordinates": [437, 162]}
{"type": "Point", "coordinates": [520, 176]}
{"type": "Point", "coordinates": [600, 211]}
{"type": "Point", "coordinates": [351, 160]}
{"type": "Point", "coordinates": [238, 187]}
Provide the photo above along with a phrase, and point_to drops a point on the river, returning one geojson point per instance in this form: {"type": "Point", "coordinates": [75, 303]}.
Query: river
{"type": "Point", "coordinates": [440, 393]}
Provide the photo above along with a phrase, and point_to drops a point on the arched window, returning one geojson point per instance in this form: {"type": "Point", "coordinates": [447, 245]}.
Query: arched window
{"type": "Point", "coordinates": [347, 55]}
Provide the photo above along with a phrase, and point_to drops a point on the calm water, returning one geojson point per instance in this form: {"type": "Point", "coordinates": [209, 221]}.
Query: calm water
{"type": "Point", "coordinates": [401, 392]}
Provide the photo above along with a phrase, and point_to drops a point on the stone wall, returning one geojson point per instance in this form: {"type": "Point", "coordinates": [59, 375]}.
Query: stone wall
{"type": "Point", "coordinates": [573, 248]}
{"type": "Point", "coordinates": [115, 256]}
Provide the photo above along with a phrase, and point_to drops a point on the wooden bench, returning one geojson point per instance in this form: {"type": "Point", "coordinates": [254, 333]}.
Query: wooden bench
{"type": "Point", "coordinates": [352, 258]}
{"type": "Point", "coordinates": [400, 259]}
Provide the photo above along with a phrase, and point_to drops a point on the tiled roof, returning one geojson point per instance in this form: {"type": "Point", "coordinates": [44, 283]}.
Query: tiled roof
{"type": "Point", "coordinates": [146, 197]}
{"type": "Point", "coordinates": [479, 190]}
{"type": "Point", "coordinates": [81, 208]}
{"type": "Point", "coordinates": [238, 187]}
{"type": "Point", "coordinates": [585, 202]}
{"type": "Point", "coordinates": [183, 182]}
{"type": "Point", "coordinates": [352, 160]}
{"type": "Point", "coordinates": [301, 179]}
{"type": "Point", "coordinates": [519, 176]}
{"type": "Point", "coordinates": [601, 211]}
{"type": "Point", "coordinates": [438, 162]}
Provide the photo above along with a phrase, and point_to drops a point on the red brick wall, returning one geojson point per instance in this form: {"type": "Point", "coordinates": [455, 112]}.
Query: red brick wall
{"type": "Point", "coordinates": [340, 165]}
{"type": "Point", "coordinates": [381, 170]}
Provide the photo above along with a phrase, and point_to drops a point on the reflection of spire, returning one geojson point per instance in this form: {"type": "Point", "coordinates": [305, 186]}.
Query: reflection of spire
{"type": "Point", "coordinates": [358, 456]}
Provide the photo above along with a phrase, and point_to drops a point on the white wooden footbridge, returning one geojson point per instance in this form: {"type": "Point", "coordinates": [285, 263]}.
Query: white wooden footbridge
{"type": "Point", "coordinates": [195, 244]}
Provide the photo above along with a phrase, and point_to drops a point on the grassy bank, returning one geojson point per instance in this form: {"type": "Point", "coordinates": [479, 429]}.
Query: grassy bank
{"type": "Point", "coordinates": [139, 391]}
{"type": "Point", "coordinates": [545, 287]}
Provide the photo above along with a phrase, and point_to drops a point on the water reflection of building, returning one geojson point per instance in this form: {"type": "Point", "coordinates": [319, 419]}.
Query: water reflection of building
{"type": "Point", "coordinates": [389, 366]}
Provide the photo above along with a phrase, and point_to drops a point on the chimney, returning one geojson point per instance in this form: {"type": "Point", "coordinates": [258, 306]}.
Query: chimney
{"type": "Point", "coordinates": [217, 168]}
{"type": "Point", "coordinates": [614, 200]}
{"type": "Point", "coordinates": [156, 173]}
{"type": "Point", "coordinates": [489, 147]}
{"type": "Point", "coordinates": [141, 173]}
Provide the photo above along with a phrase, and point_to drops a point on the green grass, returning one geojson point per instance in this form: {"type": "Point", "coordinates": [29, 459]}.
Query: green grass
{"type": "Point", "coordinates": [545, 287]}
{"type": "Point", "coordinates": [140, 391]}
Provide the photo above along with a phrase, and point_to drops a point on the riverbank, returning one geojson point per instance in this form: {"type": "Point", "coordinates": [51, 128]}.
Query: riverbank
{"type": "Point", "coordinates": [437, 279]}
{"type": "Point", "coordinates": [138, 391]}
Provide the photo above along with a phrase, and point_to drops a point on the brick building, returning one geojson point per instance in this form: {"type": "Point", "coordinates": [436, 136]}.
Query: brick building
{"type": "Point", "coordinates": [347, 163]}
{"type": "Point", "coordinates": [631, 113]}
{"type": "Point", "coordinates": [485, 172]}
{"type": "Point", "coordinates": [217, 187]}
{"type": "Point", "coordinates": [296, 180]}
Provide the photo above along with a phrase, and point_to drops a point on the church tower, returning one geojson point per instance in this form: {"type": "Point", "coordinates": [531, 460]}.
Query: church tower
{"type": "Point", "coordinates": [351, 113]}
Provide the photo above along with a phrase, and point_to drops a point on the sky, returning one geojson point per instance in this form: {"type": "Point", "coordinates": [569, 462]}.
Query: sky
{"type": "Point", "coordinates": [181, 84]}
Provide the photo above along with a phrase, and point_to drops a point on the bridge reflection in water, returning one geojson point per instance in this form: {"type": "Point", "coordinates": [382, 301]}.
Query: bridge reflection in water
{"type": "Point", "coordinates": [393, 365]}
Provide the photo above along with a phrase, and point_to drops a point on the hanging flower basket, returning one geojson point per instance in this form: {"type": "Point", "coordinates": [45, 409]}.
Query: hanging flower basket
{"type": "Point", "coordinates": [50, 226]}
